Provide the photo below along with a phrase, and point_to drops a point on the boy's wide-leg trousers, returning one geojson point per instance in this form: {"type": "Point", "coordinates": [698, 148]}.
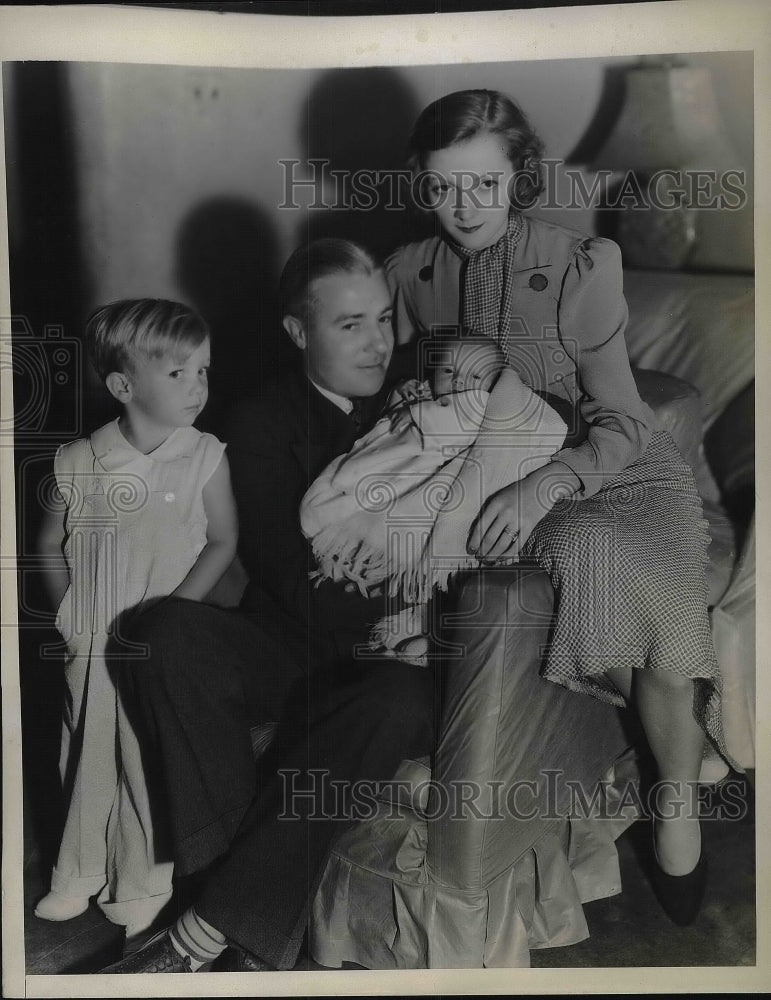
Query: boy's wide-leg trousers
{"type": "Point", "coordinates": [108, 844]}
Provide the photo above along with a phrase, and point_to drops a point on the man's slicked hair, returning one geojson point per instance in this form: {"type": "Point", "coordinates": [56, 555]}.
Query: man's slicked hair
{"type": "Point", "coordinates": [315, 260]}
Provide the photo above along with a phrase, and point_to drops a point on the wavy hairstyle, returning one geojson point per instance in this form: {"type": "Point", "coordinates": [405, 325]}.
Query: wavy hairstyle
{"type": "Point", "coordinates": [465, 114]}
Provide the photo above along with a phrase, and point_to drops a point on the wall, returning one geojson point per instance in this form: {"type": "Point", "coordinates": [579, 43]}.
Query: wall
{"type": "Point", "coordinates": [159, 145]}
{"type": "Point", "coordinates": [179, 182]}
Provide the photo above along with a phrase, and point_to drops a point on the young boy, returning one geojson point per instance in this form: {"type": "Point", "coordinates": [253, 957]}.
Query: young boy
{"type": "Point", "coordinates": [145, 510]}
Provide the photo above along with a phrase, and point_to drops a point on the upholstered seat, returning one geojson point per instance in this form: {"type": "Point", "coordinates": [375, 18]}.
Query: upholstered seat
{"type": "Point", "coordinates": [414, 886]}
{"type": "Point", "coordinates": [435, 879]}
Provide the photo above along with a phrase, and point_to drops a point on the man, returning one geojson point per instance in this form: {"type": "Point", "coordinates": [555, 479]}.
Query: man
{"type": "Point", "coordinates": [213, 674]}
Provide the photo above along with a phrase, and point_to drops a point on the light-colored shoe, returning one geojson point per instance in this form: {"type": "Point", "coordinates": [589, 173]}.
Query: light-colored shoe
{"type": "Point", "coordinates": [55, 906]}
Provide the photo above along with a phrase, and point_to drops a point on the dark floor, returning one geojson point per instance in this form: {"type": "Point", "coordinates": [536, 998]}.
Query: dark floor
{"type": "Point", "coordinates": [625, 930]}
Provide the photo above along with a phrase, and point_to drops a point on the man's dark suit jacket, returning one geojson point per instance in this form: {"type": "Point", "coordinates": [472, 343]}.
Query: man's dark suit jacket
{"type": "Point", "coordinates": [277, 445]}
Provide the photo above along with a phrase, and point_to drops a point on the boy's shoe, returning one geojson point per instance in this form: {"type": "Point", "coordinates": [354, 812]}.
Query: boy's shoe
{"type": "Point", "coordinates": [158, 955]}
{"type": "Point", "coordinates": [55, 906]}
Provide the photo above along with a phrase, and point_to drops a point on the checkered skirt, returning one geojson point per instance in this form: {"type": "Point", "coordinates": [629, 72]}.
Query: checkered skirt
{"type": "Point", "coordinates": [628, 568]}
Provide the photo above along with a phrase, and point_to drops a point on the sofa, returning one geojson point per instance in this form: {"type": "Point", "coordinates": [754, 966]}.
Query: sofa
{"type": "Point", "coordinates": [418, 885]}
{"type": "Point", "coordinates": [439, 875]}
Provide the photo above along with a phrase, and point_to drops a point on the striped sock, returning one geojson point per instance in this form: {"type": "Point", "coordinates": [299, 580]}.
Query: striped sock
{"type": "Point", "coordinates": [193, 937]}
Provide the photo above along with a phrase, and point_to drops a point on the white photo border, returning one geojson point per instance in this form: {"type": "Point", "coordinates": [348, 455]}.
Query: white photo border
{"type": "Point", "coordinates": [103, 33]}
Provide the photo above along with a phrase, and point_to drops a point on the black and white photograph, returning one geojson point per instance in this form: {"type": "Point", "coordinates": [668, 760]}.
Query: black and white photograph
{"type": "Point", "coordinates": [379, 500]}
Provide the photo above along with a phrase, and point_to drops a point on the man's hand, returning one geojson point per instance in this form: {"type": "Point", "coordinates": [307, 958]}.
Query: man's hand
{"type": "Point", "coordinates": [376, 591]}
{"type": "Point", "coordinates": [402, 397]}
{"type": "Point", "coordinates": [414, 651]}
{"type": "Point", "coordinates": [412, 391]}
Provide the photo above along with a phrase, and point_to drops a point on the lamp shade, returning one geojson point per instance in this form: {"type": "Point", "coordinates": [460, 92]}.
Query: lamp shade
{"type": "Point", "coordinates": [670, 118]}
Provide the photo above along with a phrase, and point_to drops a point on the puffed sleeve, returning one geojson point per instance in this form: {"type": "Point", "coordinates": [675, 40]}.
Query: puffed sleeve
{"type": "Point", "coordinates": [404, 321]}
{"type": "Point", "coordinates": [592, 319]}
{"type": "Point", "coordinates": [404, 360]}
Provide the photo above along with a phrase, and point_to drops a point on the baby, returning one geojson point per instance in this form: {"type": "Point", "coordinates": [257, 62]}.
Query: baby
{"type": "Point", "coordinates": [399, 506]}
{"type": "Point", "coordinates": [455, 365]}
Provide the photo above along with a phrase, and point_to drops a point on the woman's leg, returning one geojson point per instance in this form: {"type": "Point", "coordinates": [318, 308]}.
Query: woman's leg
{"type": "Point", "coordinates": [664, 701]}
{"type": "Point", "coordinates": [628, 568]}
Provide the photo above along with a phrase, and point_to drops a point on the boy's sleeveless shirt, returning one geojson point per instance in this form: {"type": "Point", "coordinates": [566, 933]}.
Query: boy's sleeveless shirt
{"type": "Point", "coordinates": [135, 524]}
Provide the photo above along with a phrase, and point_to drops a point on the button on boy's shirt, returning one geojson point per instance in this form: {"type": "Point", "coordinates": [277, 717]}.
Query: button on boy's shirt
{"type": "Point", "coordinates": [135, 524]}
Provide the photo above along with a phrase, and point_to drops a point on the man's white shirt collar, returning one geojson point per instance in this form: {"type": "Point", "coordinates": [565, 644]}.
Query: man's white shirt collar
{"type": "Point", "coordinates": [340, 401]}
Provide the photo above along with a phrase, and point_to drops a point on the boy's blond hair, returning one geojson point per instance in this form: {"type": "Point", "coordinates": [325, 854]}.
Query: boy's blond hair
{"type": "Point", "coordinates": [118, 333]}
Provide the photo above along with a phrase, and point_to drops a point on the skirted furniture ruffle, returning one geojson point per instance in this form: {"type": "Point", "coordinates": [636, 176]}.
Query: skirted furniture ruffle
{"type": "Point", "coordinates": [379, 905]}
{"type": "Point", "coordinates": [490, 863]}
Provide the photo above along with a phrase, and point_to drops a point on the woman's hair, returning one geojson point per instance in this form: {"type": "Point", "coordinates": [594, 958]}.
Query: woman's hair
{"type": "Point", "coordinates": [465, 114]}
{"type": "Point", "coordinates": [118, 333]}
{"type": "Point", "coordinates": [318, 259]}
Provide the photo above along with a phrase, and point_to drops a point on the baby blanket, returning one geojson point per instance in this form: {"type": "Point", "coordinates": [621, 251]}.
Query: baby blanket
{"type": "Point", "coordinates": [398, 508]}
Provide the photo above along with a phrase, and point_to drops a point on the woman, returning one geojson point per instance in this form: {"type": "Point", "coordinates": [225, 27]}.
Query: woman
{"type": "Point", "coordinates": [615, 517]}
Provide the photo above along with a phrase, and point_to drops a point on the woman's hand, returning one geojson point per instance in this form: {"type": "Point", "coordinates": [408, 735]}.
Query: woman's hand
{"type": "Point", "coordinates": [506, 521]}
{"type": "Point", "coordinates": [509, 517]}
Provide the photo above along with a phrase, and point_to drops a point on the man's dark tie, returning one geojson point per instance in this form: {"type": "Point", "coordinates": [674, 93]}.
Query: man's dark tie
{"type": "Point", "coordinates": [357, 414]}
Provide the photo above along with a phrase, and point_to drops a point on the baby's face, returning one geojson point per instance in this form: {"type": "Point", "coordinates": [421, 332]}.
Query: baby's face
{"type": "Point", "coordinates": [465, 366]}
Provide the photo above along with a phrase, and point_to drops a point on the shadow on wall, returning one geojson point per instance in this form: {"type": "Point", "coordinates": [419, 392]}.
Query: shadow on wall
{"type": "Point", "coordinates": [609, 107]}
{"type": "Point", "coordinates": [227, 265]}
{"type": "Point", "coordinates": [359, 120]}
{"type": "Point", "coordinates": [49, 287]}
{"type": "Point", "coordinates": [606, 114]}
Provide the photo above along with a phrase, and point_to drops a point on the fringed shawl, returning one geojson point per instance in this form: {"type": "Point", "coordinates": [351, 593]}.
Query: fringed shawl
{"type": "Point", "coordinates": [399, 507]}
